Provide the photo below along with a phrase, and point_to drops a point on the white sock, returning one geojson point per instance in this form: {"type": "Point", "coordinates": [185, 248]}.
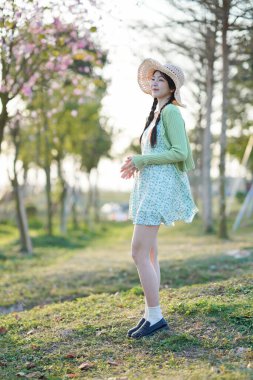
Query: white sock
{"type": "Point", "coordinates": [154, 314]}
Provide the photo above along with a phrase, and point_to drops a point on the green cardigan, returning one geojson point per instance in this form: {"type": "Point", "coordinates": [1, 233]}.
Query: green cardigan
{"type": "Point", "coordinates": [179, 151]}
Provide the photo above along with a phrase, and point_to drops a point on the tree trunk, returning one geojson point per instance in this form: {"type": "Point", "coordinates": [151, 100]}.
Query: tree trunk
{"type": "Point", "coordinates": [25, 240]}
{"type": "Point", "coordinates": [3, 117]}
{"type": "Point", "coordinates": [63, 199]}
{"type": "Point", "coordinates": [223, 138]}
{"type": "Point", "coordinates": [207, 136]}
{"type": "Point", "coordinates": [64, 208]}
{"type": "Point", "coordinates": [195, 175]}
{"type": "Point", "coordinates": [96, 201]}
{"type": "Point", "coordinates": [88, 206]}
{"type": "Point", "coordinates": [49, 200]}
{"type": "Point", "coordinates": [246, 208]}
{"type": "Point", "coordinates": [74, 208]}
{"type": "Point", "coordinates": [47, 167]}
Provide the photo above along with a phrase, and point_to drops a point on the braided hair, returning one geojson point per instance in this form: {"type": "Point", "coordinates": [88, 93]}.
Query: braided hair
{"type": "Point", "coordinates": [152, 112]}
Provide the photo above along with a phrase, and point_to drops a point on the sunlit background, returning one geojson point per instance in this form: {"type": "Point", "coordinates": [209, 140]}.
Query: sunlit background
{"type": "Point", "coordinates": [125, 104]}
{"type": "Point", "coordinates": [71, 111]}
{"type": "Point", "coordinates": [130, 31]}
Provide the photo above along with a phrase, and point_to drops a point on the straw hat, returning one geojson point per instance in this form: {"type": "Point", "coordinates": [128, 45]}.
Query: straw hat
{"type": "Point", "coordinates": [146, 70]}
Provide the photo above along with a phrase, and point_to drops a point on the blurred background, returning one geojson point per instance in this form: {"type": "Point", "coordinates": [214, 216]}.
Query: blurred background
{"type": "Point", "coordinates": [72, 110]}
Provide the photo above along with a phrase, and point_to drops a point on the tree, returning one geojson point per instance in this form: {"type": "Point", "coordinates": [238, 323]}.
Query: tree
{"type": "Point", "coordinates": [33, 52]}
{"type": "Point", "coordinates": [227, 17]}
{"type": "Point", "coordinates": [25, 240]}
{"type": "Point", "coordinates": [62, 112]}
{"type": "Point", "coordinates": [198, 42]}
{"type": "Point", "coordinates": [232, 16]}
{"type": "Point", "coordinates": [29, 45]}
{"type": "Point", "coordinates": [91, 147]}
{"type": "Point", "coordinates": [240, 121]}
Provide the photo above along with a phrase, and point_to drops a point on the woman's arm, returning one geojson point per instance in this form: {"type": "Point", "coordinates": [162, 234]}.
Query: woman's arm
{"type": "Point", "coordinates": [174, 128]}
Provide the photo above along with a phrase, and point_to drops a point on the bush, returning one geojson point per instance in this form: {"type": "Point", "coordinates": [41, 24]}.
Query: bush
{"type": "Point", "coordinates": [31, 210]}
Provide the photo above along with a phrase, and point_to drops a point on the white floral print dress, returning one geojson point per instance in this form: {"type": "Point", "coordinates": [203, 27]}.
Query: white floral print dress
{"type": "Point", "coordinates": [160, 193]}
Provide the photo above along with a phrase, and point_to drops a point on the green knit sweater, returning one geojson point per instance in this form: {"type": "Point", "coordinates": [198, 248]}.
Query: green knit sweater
{"type": "Point", "coordinates": [179, 151]}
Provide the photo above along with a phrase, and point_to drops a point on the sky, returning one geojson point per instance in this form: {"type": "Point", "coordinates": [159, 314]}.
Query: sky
{"type": "Point", "coordinates": [125, 104]}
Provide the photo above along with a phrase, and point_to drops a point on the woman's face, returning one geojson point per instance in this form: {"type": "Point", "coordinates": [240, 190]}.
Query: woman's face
{"type": "Point", "coordinates": [159, 86]}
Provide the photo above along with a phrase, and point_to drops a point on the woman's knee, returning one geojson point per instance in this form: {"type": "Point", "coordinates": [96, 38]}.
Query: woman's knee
{"type": "Point", "coordinates": [139, 251]}
{"type": "Point", "coordinates": [143, 239]}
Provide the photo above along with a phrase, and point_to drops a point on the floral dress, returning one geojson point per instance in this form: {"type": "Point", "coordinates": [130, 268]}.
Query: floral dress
{"type": "Point", "coordinates": [160, 193]}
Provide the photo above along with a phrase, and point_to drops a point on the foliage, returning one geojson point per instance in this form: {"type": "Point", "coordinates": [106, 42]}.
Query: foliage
{"type": "Point", "coordinates": [240, 97]}
{"type": "Point", "coordinates": [237, 146]}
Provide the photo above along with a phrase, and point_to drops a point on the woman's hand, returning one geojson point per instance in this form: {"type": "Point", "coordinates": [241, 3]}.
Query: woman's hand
{"type": "Point", "coordinates": [128, 169]}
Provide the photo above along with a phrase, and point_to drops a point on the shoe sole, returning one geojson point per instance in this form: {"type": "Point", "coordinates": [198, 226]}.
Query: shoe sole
{"type": "Point", "coordinates": [165, 327]}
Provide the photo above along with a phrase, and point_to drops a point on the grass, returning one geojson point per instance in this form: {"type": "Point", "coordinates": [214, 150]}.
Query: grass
{"type": "Point", "coordinates": [72, 302]}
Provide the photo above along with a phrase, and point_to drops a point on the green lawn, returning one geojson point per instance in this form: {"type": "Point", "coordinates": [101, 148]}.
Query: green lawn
{"type": "Point", "coordinates": [80, 294]}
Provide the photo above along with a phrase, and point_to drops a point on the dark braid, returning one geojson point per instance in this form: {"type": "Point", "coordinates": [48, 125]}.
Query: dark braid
{"type": "Point", "coordinates": [152, 112]}
{"type": "Point", "coordinates": [150, 117]}
{"type": "Point", "coordinates": [154, 130]}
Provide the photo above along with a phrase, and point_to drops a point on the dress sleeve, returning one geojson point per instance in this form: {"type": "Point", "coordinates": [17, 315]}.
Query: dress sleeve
{"type": "Point", "coordinates": [175, 130]}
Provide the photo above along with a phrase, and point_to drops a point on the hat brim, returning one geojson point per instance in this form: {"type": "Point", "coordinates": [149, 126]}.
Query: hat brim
{"type": "Point", "coordinates": [145, 73]}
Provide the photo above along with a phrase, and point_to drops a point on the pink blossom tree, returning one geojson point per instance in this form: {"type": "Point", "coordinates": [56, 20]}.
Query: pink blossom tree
{"type": "Point", "coordinates": [30, 45]}
{"type": "Point", "coordinates": [35, 53]}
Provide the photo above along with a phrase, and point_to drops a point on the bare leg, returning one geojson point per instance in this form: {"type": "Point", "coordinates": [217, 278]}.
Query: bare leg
{"type": "Point", "coordinates": [155, 261]}
{"type": "Point", "coordinates": [144, 238]}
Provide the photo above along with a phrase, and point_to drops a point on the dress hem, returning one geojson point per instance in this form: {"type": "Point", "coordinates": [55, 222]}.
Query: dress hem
{"type": "Point", "coordinates": [172, 223]}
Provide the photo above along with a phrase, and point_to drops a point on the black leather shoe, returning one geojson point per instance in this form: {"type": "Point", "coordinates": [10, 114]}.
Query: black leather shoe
{"type": "Point", "coordinates": [146, 329]}
{"type": "Point", "coordinates": [135, 328]}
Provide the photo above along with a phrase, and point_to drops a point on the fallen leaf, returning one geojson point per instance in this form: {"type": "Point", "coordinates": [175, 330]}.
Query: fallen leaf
{"type": "Point", "coordinates": [3, 330]}
{"type": "Point", "coordinates": [70, 355]}
{"type": "Point", "coordinates": [99, 332]}
{"type": "Point", "coordinates": [111, 362]}
{"type": "Point", "coordinates": [30, 365]}
{"type": "Point", "coordinates": [71, 375]}
{"type": "Point", "coordinates": [35, 375]}
{"type": "Point", "coordinates": [30, 332]}
{"type": "Point", "coordinates": [58, 318]}
{"type": "Point", "coordinates": [35, 347]}
{"type": "Point", "coordinates": [86, 365]}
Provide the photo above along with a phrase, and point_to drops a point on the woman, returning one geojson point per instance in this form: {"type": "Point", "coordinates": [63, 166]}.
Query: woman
{"type": "Point", "coordinates": [161, 193]}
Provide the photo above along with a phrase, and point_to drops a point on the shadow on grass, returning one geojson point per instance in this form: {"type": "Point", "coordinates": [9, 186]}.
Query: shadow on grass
{"type": "Point", "coordinates": [46, 241]}
{"type": "Point", "coordinates": [5, 229]}
{"type": "Point", "coordinates": [61, 284]}
{"type": "Point", "coordinates": [3, 256]}
{"type": "Point", "coordinates": [76, 240]}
